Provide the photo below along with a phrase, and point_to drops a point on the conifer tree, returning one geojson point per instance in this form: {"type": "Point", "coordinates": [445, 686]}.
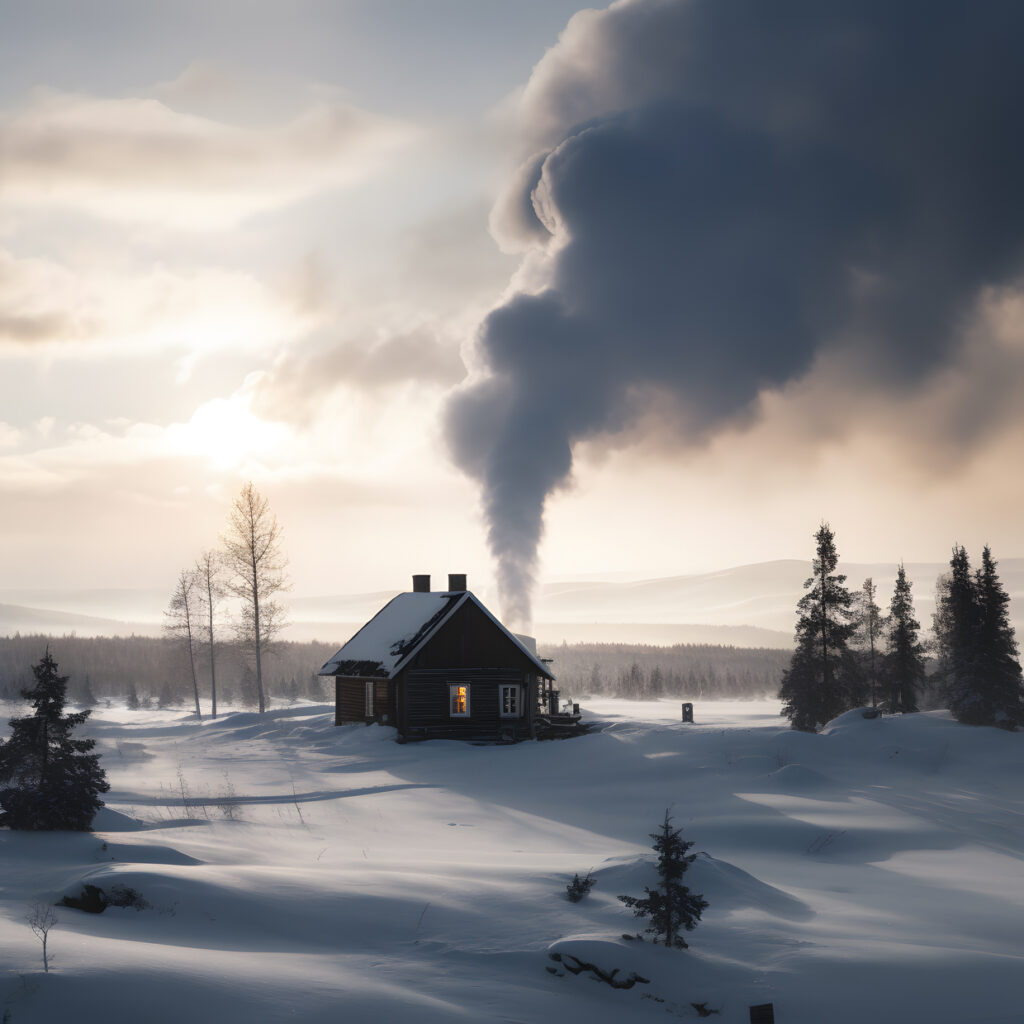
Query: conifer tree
{"type": "Point", "coordinates": [904, 662]}
{"type": "Point", "coordinates": [997, 670]}
{"type": "Point", "coordinates": [671, 906]}
{"type": "Point", "coordinates": [956, 631]}
{"type": "Point", "coordinates": [821, 681]}
{"type": "Point", "coordinates": [51, 781]}
{"type": "Point", "coordinates": [868, 625]}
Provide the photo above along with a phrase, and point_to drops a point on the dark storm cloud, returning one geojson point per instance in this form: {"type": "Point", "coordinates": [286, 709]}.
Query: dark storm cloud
{"type": "Point", "coordinates": [726, 189]}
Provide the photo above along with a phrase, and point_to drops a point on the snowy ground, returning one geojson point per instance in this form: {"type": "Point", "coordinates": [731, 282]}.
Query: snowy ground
{"type": "Point", "coordinates": [870, 873]}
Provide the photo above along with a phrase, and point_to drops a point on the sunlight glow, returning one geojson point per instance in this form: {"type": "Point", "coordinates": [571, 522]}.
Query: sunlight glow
{"type": "Point", "coordinates": [229, 435]}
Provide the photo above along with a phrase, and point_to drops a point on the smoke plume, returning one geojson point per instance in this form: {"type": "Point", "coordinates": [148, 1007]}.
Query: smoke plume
{"type": "Point", "coordinates": [717, 192]}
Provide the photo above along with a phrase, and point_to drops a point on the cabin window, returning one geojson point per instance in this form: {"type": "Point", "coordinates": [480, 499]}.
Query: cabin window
{"type": "Point", "coordinates": [458, 694]}
{"type": "Point", "coordinates": [508, 695]}
{"type": "Point", "coordinates": [369, 698]}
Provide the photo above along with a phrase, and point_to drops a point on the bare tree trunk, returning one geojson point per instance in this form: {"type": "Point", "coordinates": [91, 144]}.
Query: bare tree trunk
{"type": "Point", "coordinates": [178, 623]}
{"type": "Point", "coordinates": [252, 554]}
{"type": "Point", "coordinates": [208, 568]}
{"type": "Point", "coordinates": [192, 660]}
{"type": "Point", "coordinates": [213, 666]}
{"type": "Point", "coordinates": [256, 625]}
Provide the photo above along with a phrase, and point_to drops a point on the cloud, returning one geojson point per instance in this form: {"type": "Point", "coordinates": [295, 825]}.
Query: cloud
{"type": "Point", "coordinates": [721, 193]}
{"type": "Point", "coordinates": [95, 310]}
{"type": "Point", "coordinates": [137, 159]}
{"type": "Point", "coordinates": [298, 386]}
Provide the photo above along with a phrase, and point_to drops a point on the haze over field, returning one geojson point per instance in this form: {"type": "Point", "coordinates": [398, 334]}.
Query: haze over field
{"type": "Point", "coordinates": [747, 606]}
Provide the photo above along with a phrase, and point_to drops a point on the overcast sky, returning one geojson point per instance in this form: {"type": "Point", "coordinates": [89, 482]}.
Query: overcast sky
{"type": "Point", "coordinates": [657, 288]}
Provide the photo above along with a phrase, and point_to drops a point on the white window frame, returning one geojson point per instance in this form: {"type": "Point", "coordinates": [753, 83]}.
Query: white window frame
{"type": "Point", "coordinates": [453, 690]}
{"type": "Point", "coordinates": [369, 698]}
{"type": "Point", "coordinates": [517, 700]}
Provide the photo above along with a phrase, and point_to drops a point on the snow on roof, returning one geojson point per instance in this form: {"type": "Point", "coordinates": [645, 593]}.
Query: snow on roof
{"type": "Point", "coordinates": [400, 629]}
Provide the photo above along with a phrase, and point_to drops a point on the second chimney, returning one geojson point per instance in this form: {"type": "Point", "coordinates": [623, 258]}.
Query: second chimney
{"type": "Point", "coordinates": [456, 582]}
{"type": "Point", "coordinates": [421, 584]}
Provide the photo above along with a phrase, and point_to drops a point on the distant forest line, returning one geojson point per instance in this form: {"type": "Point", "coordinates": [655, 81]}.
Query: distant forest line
{"type": "Point", "coordinates": [648, 671]}
{"type": "Point", "coordinates": [156, 671]}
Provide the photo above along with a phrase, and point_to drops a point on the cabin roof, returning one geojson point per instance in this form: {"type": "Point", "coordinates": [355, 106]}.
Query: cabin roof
{"type": "Point", "coordinates": [385, 645]}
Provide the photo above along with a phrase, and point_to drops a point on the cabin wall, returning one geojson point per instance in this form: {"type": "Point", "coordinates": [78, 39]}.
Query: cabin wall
{"type": "Point", "coordinates": [424, 702]}
{"type": "Point", "coordinates": [350, 701]}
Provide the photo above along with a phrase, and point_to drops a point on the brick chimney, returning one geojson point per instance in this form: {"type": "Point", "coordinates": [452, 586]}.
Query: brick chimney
{"type": "Point", "coordinates": [421, 584]}
{"type": "Point", "coordinates": [456, 582]}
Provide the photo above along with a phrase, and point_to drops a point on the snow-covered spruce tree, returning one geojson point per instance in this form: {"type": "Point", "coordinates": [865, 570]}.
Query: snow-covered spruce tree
{"type": "Point", "coordinates": [997, 670]}
{"type": "Point", "coordinates": [671, 906]}
{"type": "Point", "coordinates": [904, 658]}
{"type": "Point", "coordinates": [821, 681]}
{"type": "Point", "coordinates": [50, 781]}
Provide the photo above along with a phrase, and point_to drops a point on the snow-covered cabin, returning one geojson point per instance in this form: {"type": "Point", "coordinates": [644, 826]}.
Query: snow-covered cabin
{"type": "Point", "coordinates": [439, 664]}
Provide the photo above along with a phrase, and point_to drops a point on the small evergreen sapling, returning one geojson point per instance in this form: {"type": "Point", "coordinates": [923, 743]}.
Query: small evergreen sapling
{"type": "Point", "coordinates": [671, 906]}
{"type": "Point", "coordinates": [579, 887]}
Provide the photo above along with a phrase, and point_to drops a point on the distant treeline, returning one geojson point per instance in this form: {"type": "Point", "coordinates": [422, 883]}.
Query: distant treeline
{"type": "Point", "coordinates": [646, 672]}
{"type": "Point", "coordinates": [152, 670]}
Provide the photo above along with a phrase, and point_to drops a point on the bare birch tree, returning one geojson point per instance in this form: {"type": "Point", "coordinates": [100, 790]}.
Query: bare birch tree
{"type": "Point", "coordinates": [210, 583]}
{"type": "Point", "coordinates": [256, 572]}
{"type": "Point", "coordinates": [181, 622]}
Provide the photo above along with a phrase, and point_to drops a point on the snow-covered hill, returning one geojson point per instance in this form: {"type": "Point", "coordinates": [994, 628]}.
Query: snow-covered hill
{"type": "Point", "coordinates": [869, 873]}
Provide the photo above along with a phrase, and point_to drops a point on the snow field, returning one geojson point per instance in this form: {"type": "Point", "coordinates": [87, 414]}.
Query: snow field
{"type": "Point", "coordinates": [871, 872]}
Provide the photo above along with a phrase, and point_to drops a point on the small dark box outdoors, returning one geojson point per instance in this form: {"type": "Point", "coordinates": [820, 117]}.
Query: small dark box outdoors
{"type": "Point", "coordinates": [763, 1014]}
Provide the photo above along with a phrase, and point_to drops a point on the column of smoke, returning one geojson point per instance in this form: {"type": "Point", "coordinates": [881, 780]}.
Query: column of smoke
{"type": "Point", "coordinates": [718, 193]}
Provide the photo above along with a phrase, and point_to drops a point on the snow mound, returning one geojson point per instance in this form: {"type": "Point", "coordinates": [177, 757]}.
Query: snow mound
{"type": "Point", "coordinates": [107, 819]}
{"type": "Point", "coordinates": [850, 721]}
{"type": "Point", "coordinates": [797, 778]}
{"type": "Point", "coordinates": [726, 886]}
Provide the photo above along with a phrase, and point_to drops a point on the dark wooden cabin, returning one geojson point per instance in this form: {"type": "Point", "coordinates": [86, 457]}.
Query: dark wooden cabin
{"type": "Point", "coordinates": [440, 665]}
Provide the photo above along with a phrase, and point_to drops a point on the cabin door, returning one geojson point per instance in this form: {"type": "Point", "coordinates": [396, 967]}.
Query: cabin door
{"type": "Point", "coordinates": [369, 698]}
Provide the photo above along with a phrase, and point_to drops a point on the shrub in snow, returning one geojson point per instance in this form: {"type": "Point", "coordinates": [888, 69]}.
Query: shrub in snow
{"type": "Point", "coordinates": [94, 900]}
{"type": "Point", "coordinates": [52, 782]}
{"type": "Point", "coordinates": [126, 896]}
{"type": "Point", "coordinates": [579, 887]}
{"type": "Point", "coordinates": [671, 906]}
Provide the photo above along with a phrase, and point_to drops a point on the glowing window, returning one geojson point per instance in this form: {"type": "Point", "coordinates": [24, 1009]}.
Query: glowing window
{"type": "Point", "coordinates": [458, 695]}
{"type": "Point", "coordinates": [509, 698]}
